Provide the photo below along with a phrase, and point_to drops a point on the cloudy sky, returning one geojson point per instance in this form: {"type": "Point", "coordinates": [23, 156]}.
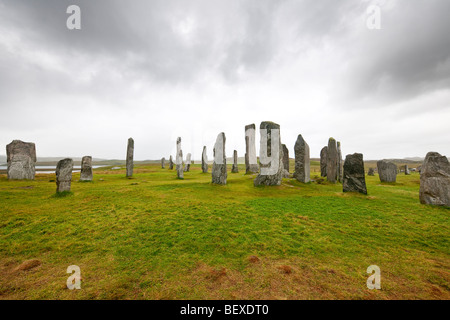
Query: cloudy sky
{"type": "Point", "coordinates": [156, 70]}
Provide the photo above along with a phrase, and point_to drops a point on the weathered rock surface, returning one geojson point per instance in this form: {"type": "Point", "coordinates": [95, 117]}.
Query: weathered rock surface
{"type": "Point", "coordinates": [407, 170]}
{"type": "Point", "coordinates": [340, 167]}
{"type": "Point", "coordinates": [130, 156]}
{"type": "Point", "coordinates": [302, 160]}
{"type": "Point", "coordinates": [332, 161]}
{"type": "Point", "coordinates": [170, 163]}
{"type": "Point", "coordinates": [387, 171]}
{"type": "Point", "coordinates": [64, 175]}
{"type": "Point", "coordinates": [354, 174]}
{"type": "Point", "coordinates": [234, 168]}
{"type": "Point", "coordinates": [435, 180]}
{"type": "Point", "coordinates": [187, 164]}
{"type": "Point", "coordinates": [270, 155]}
{"type": "Point", "coordinates": [21, 158]}
{"type": "Point", "coordinates": [163, 163]}
{"type": "Point", "coordinates": [371, 172]}
{"type": "Point", "coordinates": [179, 160]}
{"type": "Point", "coordinates": [251, 162]}
{"type": "Point", "coordinates": [219, 168]}
{"type": "Point", "coordinates": [323, 161]}
{"type": "Point", "coordinates": [285, 161]}
{"type": "Point", "coordinates": [86, 169]}
{"type": "Point", "coordinates": [204, 160]}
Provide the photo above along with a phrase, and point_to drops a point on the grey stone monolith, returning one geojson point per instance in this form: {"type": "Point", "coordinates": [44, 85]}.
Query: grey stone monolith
{"type": "Point", "coordinates": [323, 161]}
{"type": "Point", "coordinates": [219, 168]}
{"type": "Point", "coordinates": [435, 180]}
{"type": "Point", "coordinates": [187, 164]}
{"type": "Point", "coordinates": [340, 167]}
{"type": "Point", "coordinates": [332, 161]}
{"type": "Point", "coordinates": [285, 161]}
{"type": "Point", "coordinates": [354, 174]}
{"type": "Point", "coordinates": [302, 161]}
{"type": "Point", "coordinates": [251, 162]}
{"type": "Point", "coordinates": [234, 168]}
{"type": "Point", "coordinates": [270, 155]}
{"type": "Point", "coordinates": [86, 173]}
{"type": "Point", "coordinates": [371, 172]}
{"type": "Point", "coordinates": [204, 160]}
{"type": "Point", "coordinates": [387, 171]}
{"type": "Point", "coordinates": [64, 175]}
{"type": "Point", "coordinates": [179, 160]}
{"type": "Point", "coordinates": [21, 159]}
{"type": "Point", "coordinates": [130, 156]}
{"type": "Point", "coordinates": [170, 163]}
{"type": "Point", "coordinates": [163, 163]}
{"type": "Point", "coordinates": [407, 170]}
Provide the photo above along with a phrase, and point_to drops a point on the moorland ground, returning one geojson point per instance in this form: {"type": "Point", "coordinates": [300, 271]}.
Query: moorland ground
{"type": "Point", "coordinates": [157, 237]}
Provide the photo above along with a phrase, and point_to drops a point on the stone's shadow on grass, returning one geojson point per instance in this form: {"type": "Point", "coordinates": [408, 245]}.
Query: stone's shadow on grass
{"type": "Point", "coordinates": [63, 194]}
{"type": "Point", "coordinates": [86, 181]}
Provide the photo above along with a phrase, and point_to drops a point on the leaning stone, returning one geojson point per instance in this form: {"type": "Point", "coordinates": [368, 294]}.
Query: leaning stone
{"type": "Point", "coordinates": [332, 161]}
{"type": "Point", "coordinates": [187, 164]}
{"type": "Point", "coordinates": [219, 168]}
{"type": "Point", "coordinates": [302, 163]}
{"type": "Point", "coordinates": [251, 163]}
{"type": "Point", "coordinates": [170, 163]}
{"type": "Point", "coordinates": [21, 158]}
{"type": "Point", "coordinates": [270, 155]}
{"type": "Point", "coordinates": [234, 168]}
{"type": "Point", "coordinates": [354, 174]}
{"type": "Point", "coordinates": [204, 160]}
{"type": "Point", "coordinates": [435, 180]}
{"type": "Point", "coordinates": [285, 161]}
{"type": "Point", "coordinates": [86, 169]}
{"type": "Point", "coordinates": [323, 161]}
{"type": "Point", "coordinates": [64, 175]}
{"type": "Point", "coordinates": [130, 155]}
{"type": "Point", "coordinates": [387, 171]}
{"type": "Point", "coordinates": [163, 163]}
{"type": "Point", "coordinates": [371, 172]}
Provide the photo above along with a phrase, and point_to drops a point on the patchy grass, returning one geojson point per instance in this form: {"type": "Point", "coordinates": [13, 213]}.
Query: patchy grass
{"type": "Point", "coordinates": [158, 237]}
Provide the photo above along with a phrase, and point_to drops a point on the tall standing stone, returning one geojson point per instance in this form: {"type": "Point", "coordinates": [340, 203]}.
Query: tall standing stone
{"type": "Point", "coordinates": [204, 160]}
{"type": "Point", "coordinates": [387, 171]}
{"type": "Point", "coordinates": [64, 175]}
{"type": "Point", "coordinates": [251, 162]}
{"type": "Point", "coordinates": [187, 164]}
{"type": "Point", "coordinates": [86, 169]}
{"type": "Point", "coordinates": [163, 163]}
{"type": "Point", "coordinates": [234, 168]}
{"type": "Point", "coordinates": [170, 163]}
{"type": "Point", "coordinates": [21, 158]}
{"type": "Point", "coordinates": [332, 161]}
{"type": "Point", "coordinates": [323, 161]}
{"type": "Point", "coordinates": [354, 174]}
{"type": "Point", "coordinates": [302, 161]}
{"type": "Point", "coordinates": [407, 170]}
{"type": "Point", "coordinates": [130, 155]}
{"type": "Point", "coordinates": [179, 160]}
{"type": "Point", "coordinates": [285, 161]}
{"type": "Point", "coordinates": [435, 180]}
{"type": "Point", "coordinates": [270, 155]}
{"type": "Point", "coordinates": [219, 168]}
{"type": "Point", "coordinates": [340, 167]}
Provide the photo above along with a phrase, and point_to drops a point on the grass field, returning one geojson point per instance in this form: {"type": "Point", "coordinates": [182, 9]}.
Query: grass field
{"type": "Point", "coordinates": [156, 237]}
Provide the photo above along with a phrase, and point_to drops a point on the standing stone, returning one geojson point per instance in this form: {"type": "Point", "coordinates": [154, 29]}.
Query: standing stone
{"type": "Point", "coordinates": [332, 161]}
{"type": "Point", "coordinates": [170, 163]}
{"type": "Point", "coordinates": [64, 175]}
{"type": "Point", "coordinates": [270, 155]}
{"type": "Point", "coordinates": [204, 160]}
{"type": "Point", "coordinates": [340, 167]}
{"type": "Point", "coordinates": [234, 168]}
{"type": "Point", "coordinates": [285, 161]}
{"type": "Point", "coordinates": [86, 169]}
{"type": "Point", "coordinates": [187, 164]}
{"type": "Point", "coordinates": [21, 158]}
{"type": "Point", "coordinates": [387, 171]}
{"type": "Point", "coordinates": [251, 163]}
{"type": "Point", "coordinates": [219, 168]}
{"type": "Point", "coordinates": [179, 159]}
{"type": "Point", "coordinates": [435, 180]}
{"type": "Point", "coordinates": [354, 174]}
{"type": "Point", "coordinates": [163, 163]}
{"type": "Point", "coordinates": [302, 163]}
{"type": "Point", "coordinates": [371, 172]}
{"type": "Point", "coordinates": [407, 170]}
{"type": "Point", "coordinates": [130, 155]}
{"type": "Point", "coordinates": [323, 161]}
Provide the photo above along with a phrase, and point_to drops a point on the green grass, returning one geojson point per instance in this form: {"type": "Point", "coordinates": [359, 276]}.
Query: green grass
{"type": "Point", "coordinates": [157, 237]}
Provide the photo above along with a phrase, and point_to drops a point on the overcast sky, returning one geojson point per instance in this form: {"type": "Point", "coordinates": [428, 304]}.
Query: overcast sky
{"type": "Point", "coordinates": [156, 70]}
